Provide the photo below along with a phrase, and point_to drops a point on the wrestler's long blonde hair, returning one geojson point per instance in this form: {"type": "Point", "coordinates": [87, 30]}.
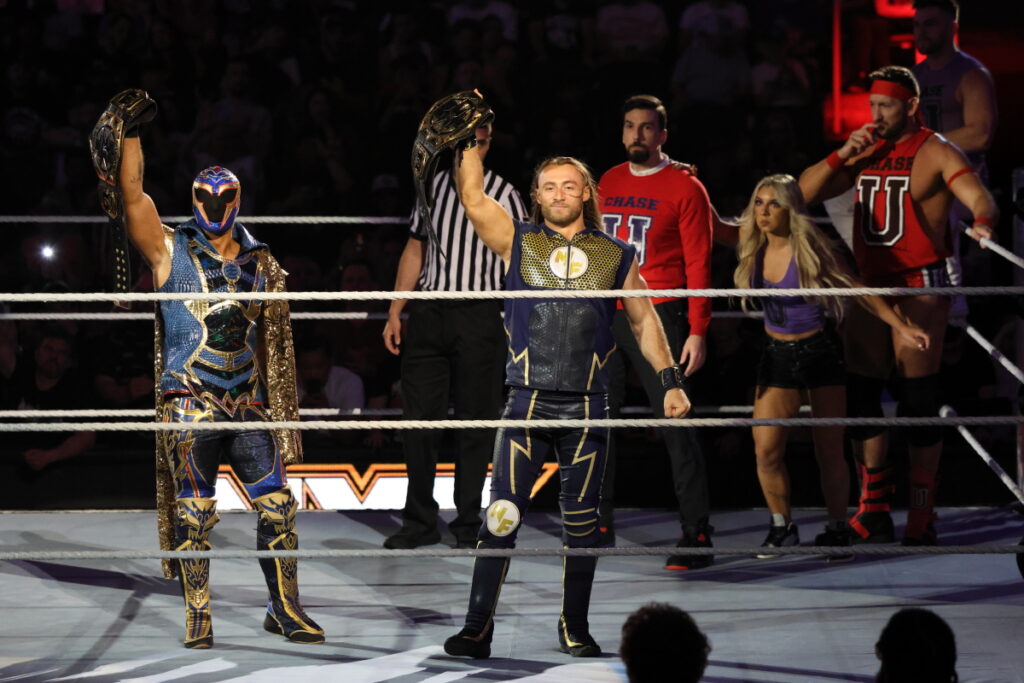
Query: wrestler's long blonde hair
{"type": "Point", "coordinates": [813, 251]}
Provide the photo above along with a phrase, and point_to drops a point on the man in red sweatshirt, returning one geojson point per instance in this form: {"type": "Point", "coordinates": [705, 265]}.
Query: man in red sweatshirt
{"type": "Point", "coordinates": [661, 208]}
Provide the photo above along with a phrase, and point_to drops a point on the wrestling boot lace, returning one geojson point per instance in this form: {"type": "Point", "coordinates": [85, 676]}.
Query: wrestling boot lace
{"type": "Point", "coordinates": [576, 642]}
{"type": "Point", "coordinates": [470, 643]}
{"type": "Point", "coordinates": [693, 537]}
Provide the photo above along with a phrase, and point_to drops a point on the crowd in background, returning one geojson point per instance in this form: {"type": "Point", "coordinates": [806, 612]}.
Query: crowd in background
{"type": "Point", "coordinates": [314, 104]}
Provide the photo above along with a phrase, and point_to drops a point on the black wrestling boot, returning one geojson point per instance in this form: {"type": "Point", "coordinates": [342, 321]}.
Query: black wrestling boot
{"type": "Point", "coordinates": [470, 643]}
{"type": "Point", "coordinates": [573, 628]}
{"type": "Point", "coordinates": [474, 640]}
{"type": "Point", "coordinates": [275, 530]}
{"type": "Point", "coordinates": [575, 642]}
{"type": "Point", "coordinates": [698, 536]}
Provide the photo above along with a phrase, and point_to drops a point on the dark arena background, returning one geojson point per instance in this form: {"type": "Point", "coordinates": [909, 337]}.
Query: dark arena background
{"type": "Point", "coordinates": [315, 105]}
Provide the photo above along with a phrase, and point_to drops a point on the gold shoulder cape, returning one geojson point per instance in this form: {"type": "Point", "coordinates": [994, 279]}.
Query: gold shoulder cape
{"type": "Point", "coordinates": [279, 374]}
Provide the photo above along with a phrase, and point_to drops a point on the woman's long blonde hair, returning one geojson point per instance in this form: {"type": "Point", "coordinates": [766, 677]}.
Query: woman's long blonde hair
{"type": "Point", "coordinates": [813, 251]}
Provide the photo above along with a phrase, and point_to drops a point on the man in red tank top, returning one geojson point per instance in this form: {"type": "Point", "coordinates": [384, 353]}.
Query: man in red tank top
{"type": "Point", "coordinates": [906, 178]}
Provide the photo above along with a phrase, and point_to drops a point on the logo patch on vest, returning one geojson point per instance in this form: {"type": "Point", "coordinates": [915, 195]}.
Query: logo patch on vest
{"type": "Point", "coordinates": [563, 269]}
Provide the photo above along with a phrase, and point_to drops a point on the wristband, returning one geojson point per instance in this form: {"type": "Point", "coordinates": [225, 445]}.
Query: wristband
{"type": "Point", "coordinates": [834, 161]}
{"type": "Point", "coordinates": [983, 220]}
{"type": "Point", "coordinates": [672, 377]}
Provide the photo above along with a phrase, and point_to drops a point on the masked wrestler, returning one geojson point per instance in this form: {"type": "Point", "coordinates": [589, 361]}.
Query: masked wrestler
{"type": "Point", "coordinates": [218, 361]}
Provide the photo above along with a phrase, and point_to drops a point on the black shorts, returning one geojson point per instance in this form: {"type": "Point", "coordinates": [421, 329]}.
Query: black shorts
{"type": "Point", "coordinates": [816, 361]}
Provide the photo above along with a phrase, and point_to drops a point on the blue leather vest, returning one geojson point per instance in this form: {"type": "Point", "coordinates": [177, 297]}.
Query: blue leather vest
{"type": "Point", "coordinates": [562, 344]}
{"type": "Point", "coordinates": [210, 347]}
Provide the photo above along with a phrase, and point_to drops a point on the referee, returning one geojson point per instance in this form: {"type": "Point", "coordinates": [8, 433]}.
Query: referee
{"type": "Point", "coordinates": [453, 353]}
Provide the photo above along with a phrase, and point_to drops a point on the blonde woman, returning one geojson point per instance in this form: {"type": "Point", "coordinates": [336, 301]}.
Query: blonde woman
{"type": "Point", "coordinates": [779, 247]}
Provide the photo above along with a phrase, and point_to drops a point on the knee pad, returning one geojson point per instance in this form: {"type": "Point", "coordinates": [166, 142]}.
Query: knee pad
{"type": "Point", "coordinates": [579, 524]}
{"type": "Point", "coordinates": [863, 399]}
{"type": "Point", "coordinates": [501, 523]}
{"type": "Point", "coordinates": [195, 519]}
{"type": "Point", "coordinates": [276, 517]}
{"type": "Point", "coordinates": [919, 398]}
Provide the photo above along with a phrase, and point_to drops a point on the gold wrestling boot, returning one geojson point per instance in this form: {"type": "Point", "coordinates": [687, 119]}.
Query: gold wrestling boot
{"type": "Point", "coordinates": [196, 517]}
{"type": "Point", "coordinates": [276, 531]}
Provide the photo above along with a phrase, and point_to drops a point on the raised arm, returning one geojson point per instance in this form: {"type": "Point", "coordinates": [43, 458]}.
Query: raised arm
{"type": "Point", "coordinates": [140, 214]}
{"type": "Point", "coordinates": [836, 173]}
{"type": "Point", "coordinates": [650, 337]}
{"type": "Point", "coordinates": [490, 220]}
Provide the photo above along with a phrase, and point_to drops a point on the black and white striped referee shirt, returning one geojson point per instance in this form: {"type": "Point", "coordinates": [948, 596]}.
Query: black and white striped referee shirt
{"type": "Point", "coordinates": [470, 265]}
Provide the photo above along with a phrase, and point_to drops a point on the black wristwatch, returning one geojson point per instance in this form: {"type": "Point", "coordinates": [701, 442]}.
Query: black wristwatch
{"type": "Point", "coordinates": [672, 377]}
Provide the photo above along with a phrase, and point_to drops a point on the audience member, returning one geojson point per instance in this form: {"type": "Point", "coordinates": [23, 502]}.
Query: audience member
{"type": "Point", "coordinates": [661, 644]}
{"type": "Point", "coordinates": [322, 384]}
{"type": "Point", "coordinates": [561, 32]}
{"type": "Point", "coordinates": [710, 82]}
{"type": "Point", "coordinates": [916, 646]}
{"type": "Point", "coordinates": [48, 382]}
{"type": "Point", "coordinates": [480, 10]}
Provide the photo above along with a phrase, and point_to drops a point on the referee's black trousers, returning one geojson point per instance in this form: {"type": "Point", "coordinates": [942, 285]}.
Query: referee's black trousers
{"type": "Point", "coordinates": [453, 353]}
{"type": "Point", "coordinates": [689, 471]}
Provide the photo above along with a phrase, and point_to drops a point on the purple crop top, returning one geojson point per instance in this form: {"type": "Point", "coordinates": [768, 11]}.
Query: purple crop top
{"type": "Point", "coordinates": [787, 314]}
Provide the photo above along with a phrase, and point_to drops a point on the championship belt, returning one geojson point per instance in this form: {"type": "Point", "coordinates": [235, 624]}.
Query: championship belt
{"type": "Point", "coordinates": [451, 120]}
{"type": "Point", "coordinates": [126, 110]}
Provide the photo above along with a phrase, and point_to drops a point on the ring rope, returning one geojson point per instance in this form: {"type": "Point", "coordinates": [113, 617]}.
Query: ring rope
{"type": "Point", "coordinates": [997, 248]}
{"type": "Point", "coordinates": [627, 551]}
{"type": "Point", "coordinates": [501, 294]}
{"type": "Point", "coordinates": [298, 220]}
{"type": "Point", "coordinates": [282, 220]}
{"type": "Point", "coordinates": [326, 412]}
{"type": "Point", "coordinates": [947, 411]}
{"type": "Point", "coordinates": [295, 315]}
{"type": "Point", "coordinates": [974, 421]}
